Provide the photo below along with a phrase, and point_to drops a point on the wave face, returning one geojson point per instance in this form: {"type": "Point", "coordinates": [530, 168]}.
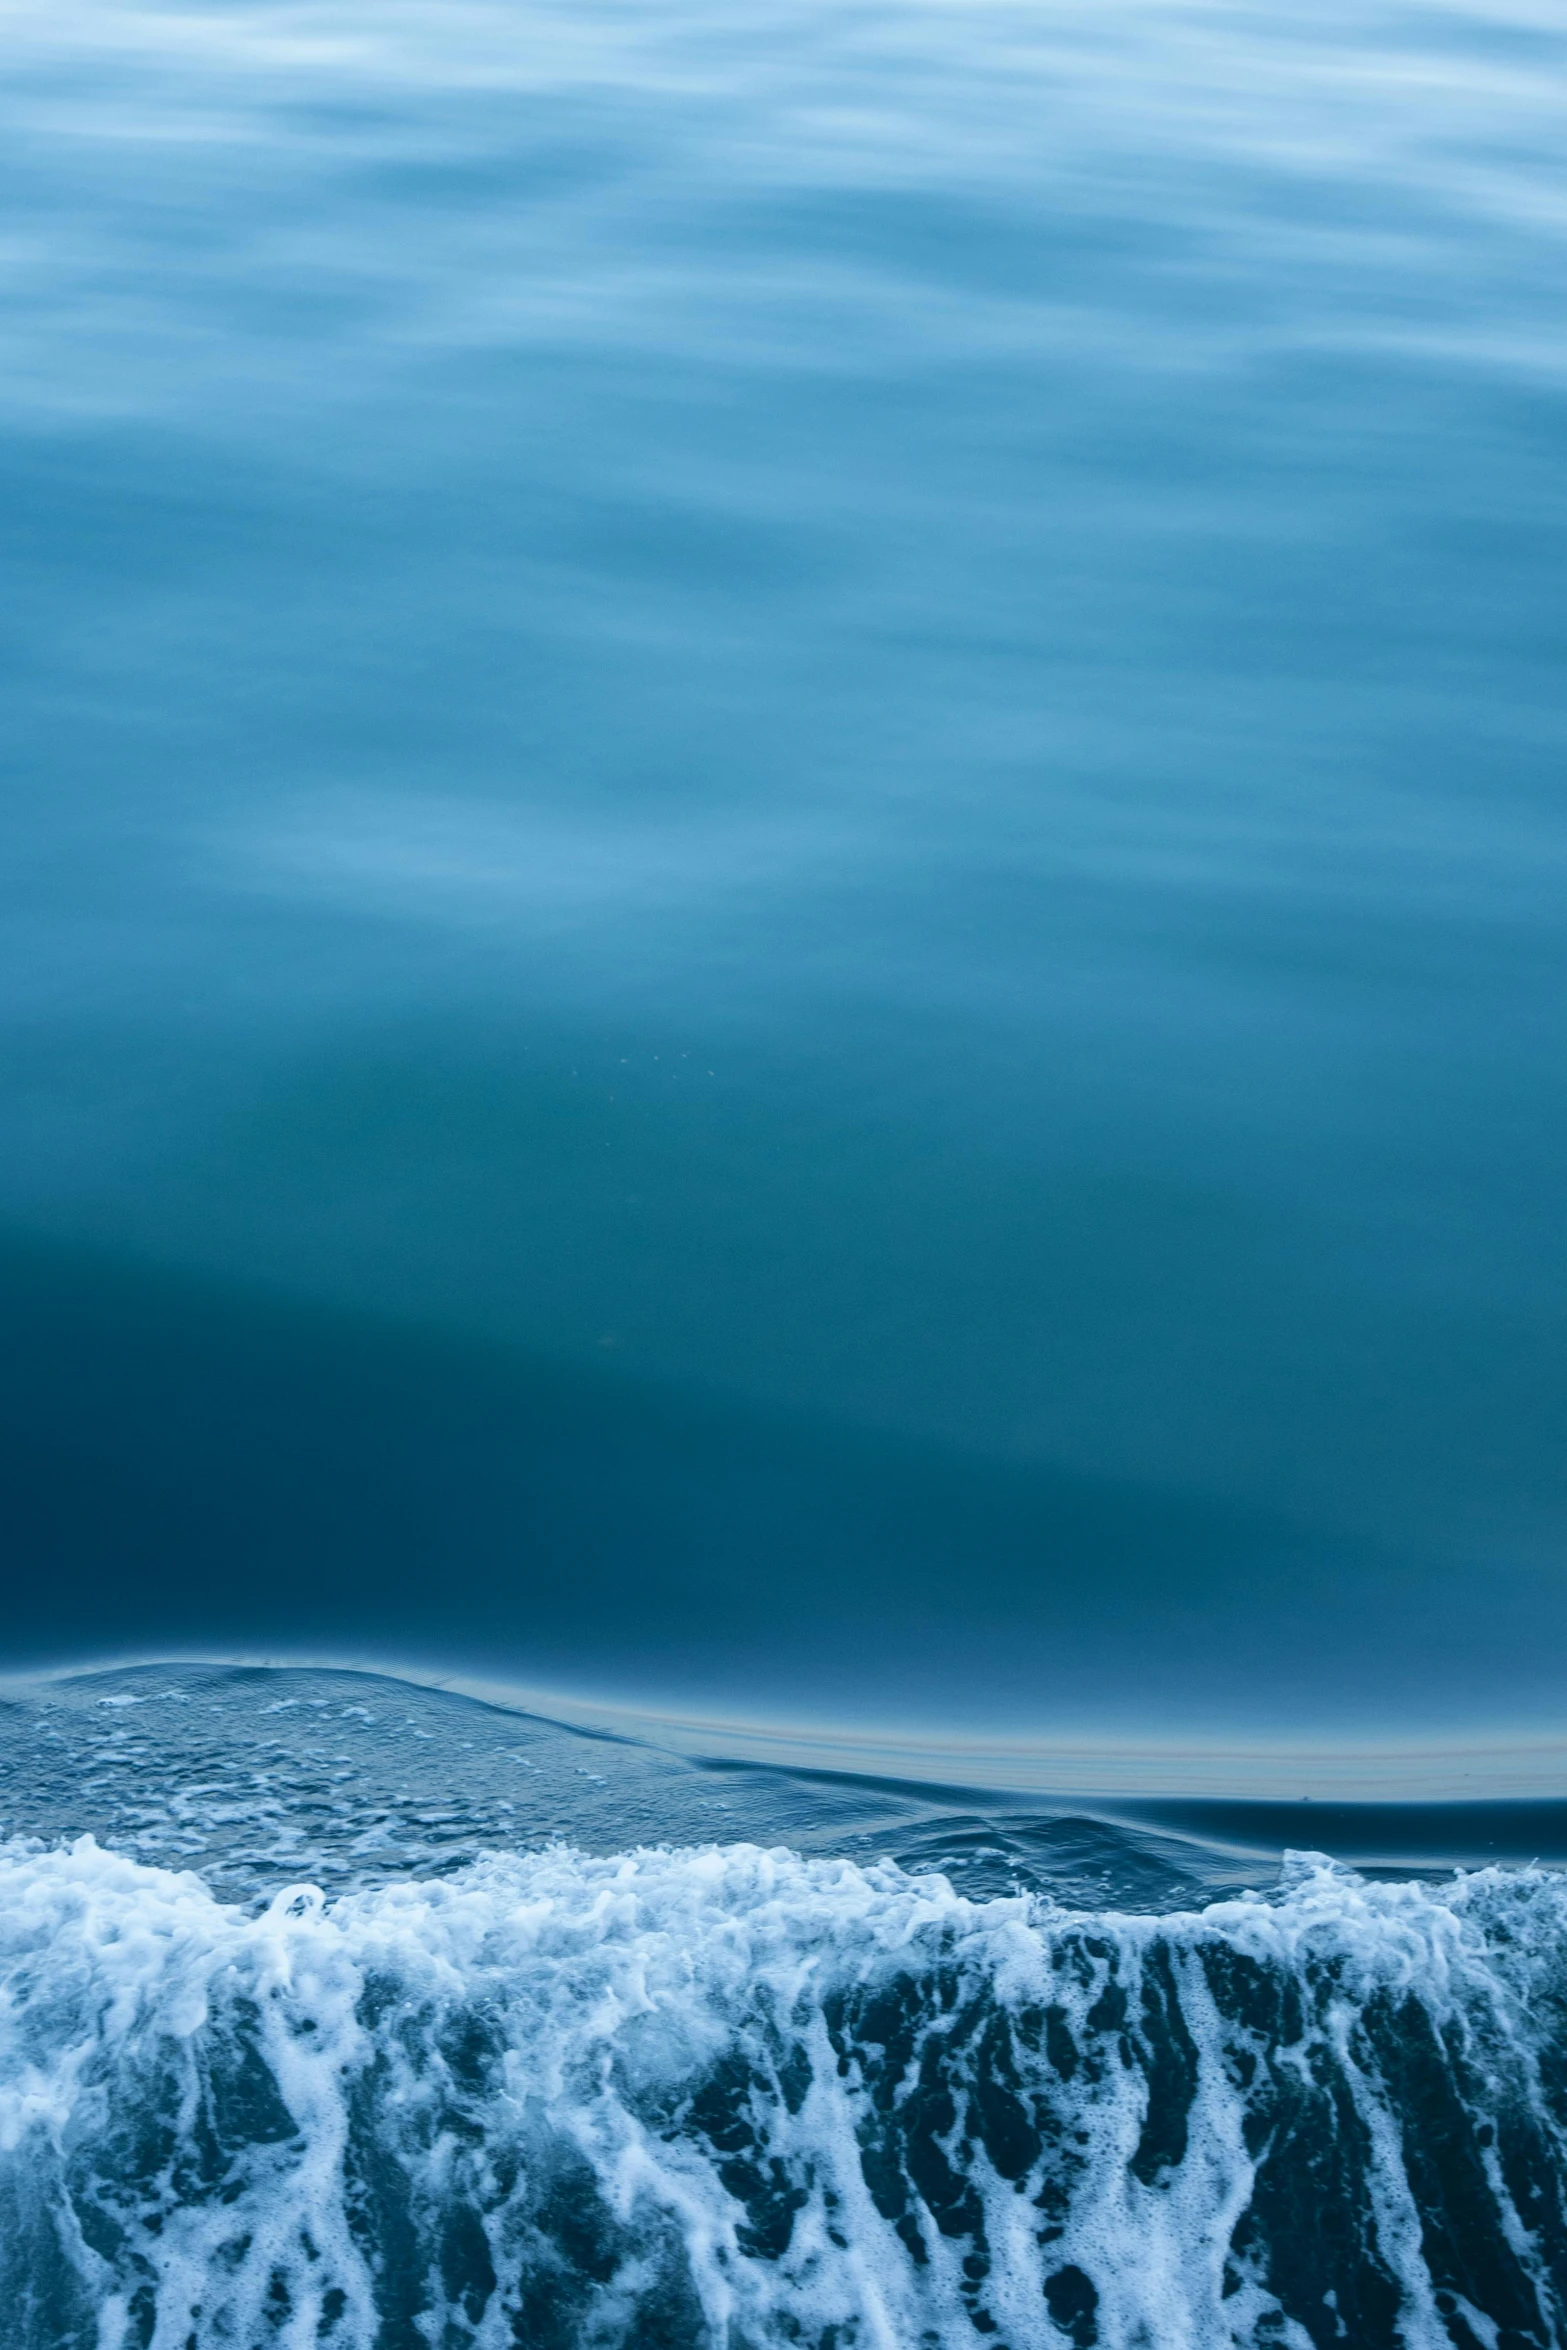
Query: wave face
{"type": "Point", "coordinates": [736, 2096]}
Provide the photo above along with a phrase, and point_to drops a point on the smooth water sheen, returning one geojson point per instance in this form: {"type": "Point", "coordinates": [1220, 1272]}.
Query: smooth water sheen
{"type": "Point", "coordinates": [783, 853]}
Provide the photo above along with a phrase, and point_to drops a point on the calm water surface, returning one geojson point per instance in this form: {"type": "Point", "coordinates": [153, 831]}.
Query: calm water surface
{"type": "Point", "coordinates": [783, 853]}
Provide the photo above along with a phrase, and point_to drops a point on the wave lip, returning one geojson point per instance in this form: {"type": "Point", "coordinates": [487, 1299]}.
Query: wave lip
{"type": "Point", "coordinates": [735, 2096]}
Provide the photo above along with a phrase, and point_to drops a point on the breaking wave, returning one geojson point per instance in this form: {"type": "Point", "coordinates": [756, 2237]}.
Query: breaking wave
{"type": "Point", "coordinates": [734, 2096]}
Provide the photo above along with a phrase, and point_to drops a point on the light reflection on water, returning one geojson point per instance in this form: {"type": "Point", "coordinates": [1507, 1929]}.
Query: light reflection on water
{"type": "Point", "coordinates": [847, 727]}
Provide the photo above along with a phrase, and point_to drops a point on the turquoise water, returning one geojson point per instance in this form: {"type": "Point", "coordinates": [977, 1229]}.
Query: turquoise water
{"type": "Point", "coordinates": [783, 1416]}
{"type": "Point", "coordinates": [783, 855]}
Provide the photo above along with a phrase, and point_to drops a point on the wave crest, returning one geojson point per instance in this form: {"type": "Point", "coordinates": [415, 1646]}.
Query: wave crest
{"type": "Point", "coordinates": [733, 2096]}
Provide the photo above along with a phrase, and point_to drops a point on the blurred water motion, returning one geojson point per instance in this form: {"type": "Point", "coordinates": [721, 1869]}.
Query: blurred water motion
{"type": "Point", "coordinates": [825, 749]}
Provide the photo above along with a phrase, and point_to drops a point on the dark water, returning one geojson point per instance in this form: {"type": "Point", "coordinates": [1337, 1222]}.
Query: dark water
{"type": "Point", "coordinates": [781, 954]}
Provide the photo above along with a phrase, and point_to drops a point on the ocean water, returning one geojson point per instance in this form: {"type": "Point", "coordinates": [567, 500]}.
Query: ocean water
{"type": "Point", "coordinates": [783, 1297]}
{"type": "Point", "coordinates": [342, 2010]}
{"type": "Point", "coordinates": [783, 854]}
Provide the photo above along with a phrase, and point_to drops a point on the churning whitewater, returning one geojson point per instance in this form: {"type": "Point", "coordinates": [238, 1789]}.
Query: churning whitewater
{"type": "Point", "coordinates": [733, 2096]}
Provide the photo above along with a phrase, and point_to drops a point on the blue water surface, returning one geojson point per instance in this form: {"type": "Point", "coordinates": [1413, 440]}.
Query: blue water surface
{"type": "Point", "coordinates": [783, 852]}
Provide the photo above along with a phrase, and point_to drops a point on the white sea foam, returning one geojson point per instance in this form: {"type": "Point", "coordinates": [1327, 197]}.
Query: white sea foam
{"type": "Point", "coordinates": [734, 2096]}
